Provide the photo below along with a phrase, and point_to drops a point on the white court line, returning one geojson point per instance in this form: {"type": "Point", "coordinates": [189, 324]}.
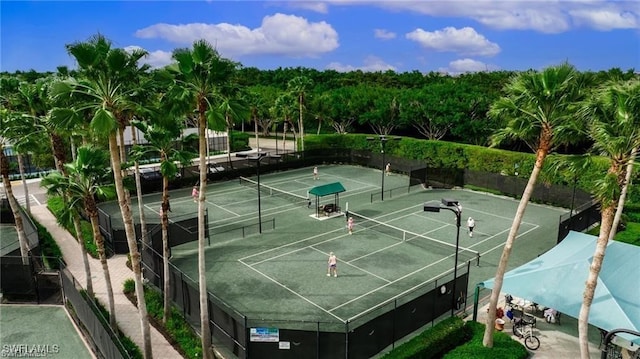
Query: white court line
{"type": "Point", "coordinates": [356, 267]}
{"type": "Point", "coordinates": [295, 293]}
{"type": "Point", "coordinates": [222, 208]}
{"type": "Point", "coordinates": [393, 245]}
{"type": "Point", "coordinates": [416, 286]}
{"type": "Point", "coordinates": [292, 243]}
{"type": "Point", "coordinates": [388, 284]}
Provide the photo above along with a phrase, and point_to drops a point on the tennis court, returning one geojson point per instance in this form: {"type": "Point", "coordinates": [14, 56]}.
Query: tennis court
{"type": "Point", "coordinates": [396, 248]}
{"type": "Point", "coordinates": [30, 331]}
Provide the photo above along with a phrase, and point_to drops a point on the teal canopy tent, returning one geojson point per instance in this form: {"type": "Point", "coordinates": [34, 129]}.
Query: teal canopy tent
{"type": "Point", "coordinates": [557, 279]}
{"type": "Point", "coordinates": [334, 189]}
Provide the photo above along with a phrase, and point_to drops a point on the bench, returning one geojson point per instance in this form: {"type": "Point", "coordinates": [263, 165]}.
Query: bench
{"type": "Point", "coordinates": [327, 209]}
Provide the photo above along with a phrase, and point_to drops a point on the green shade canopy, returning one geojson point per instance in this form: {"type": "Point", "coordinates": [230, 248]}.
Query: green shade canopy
{"type": "Point", "coordinates": [327, 189]}
{"type": "Point", "coordinates": [557, 279]}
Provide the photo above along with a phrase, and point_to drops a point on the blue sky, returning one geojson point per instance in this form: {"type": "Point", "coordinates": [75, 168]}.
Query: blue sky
{"type": "Point", "coordinates": [449, 36]}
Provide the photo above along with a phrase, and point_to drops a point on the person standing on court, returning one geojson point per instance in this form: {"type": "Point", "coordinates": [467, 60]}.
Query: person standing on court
{"type": "Point", "coordinates": [315, 173]}
{"type": "Point", "coordinates": [471, 223]}
{"type": "Point", "coordinates": [388, 169]}
{"type": "Point", "coordinates": [350, 225]}
{"type": "Point", "coordinates": [195, 193]}
{"type": "Point", "coordinates": [333, 265]}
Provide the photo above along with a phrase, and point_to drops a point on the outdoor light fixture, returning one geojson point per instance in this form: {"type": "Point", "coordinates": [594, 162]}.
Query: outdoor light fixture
{"type": "Point", "coordinates": [383, 145]}
{"type": "Point", "coordinates": [453, 206]}
{"type": "Point", "coordinates": [257, 159]}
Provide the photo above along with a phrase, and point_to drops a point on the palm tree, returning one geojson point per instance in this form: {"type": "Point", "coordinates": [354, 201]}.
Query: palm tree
{"type": "Point", "coordinates": [82, 182]}
{"type": "Point", "coordinates": [199, 73]}
{"type": "Point", "coordinates": [539, 109]}
{"type": "Point", "coordinates": [231, 107]}
{"type": "Point", "coordinates": [6, 117]}
{"type": "Point", "coordinates": [105, 93]}
{"type": "Point", "coordinates": [614, 128]}
{"type": "Point", "coordinates": [161, 141]}
{"type": "Point", "coordinates": [299, 86]}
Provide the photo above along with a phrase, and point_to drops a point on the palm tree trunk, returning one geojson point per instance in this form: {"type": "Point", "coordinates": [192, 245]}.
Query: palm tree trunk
{"type": "Point", "coordinates": [85, 256]}
{"type": "Point", "coordinates": [125, 210]}
{"type": "Point", "coordinates": [165, 249]}
{"type": "Point", "coordinates": [105, 268]}
{"type": "Point", "coordinates": [301, 123]}
{"type": "Point", "coordinates": [229, 128]}
{"type": "Point", "coordinates": [592, 280]}
{"type": "Point", "coordinates": [15, 207]}
{"type": "Point", "coordinates": [255, 121]}
{"type": "Point", "coordinates": [143, 219]}
{"type": "Point", "coordinates": [27, 201]}
{"type": "Point", "coordinates": [202, 270]}
{"type": "Point", "coordinates": [284, 137]}
{"type": "Point", "coordinates": [487, 340]}
{"type": "Point", "coordinates": [623, 195]}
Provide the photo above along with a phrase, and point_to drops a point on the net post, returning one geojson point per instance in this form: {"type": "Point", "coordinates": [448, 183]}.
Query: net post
{"type": "Point", "coordinates": [478, 259]}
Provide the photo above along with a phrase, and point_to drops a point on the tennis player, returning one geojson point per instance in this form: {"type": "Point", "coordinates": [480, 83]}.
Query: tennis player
{"type": "Point", "coordinates": [350, 225]}
{"type": "Point", "coordinates": [195, 193]}
{"type": "Point", "coordinates": [315, 173]}
{"type": "Point", "coordinates": [388, 169]}
{"type": "Point", "coordinates": [471, 223]}
{"type": "Point", "coordinates": [333, 265]}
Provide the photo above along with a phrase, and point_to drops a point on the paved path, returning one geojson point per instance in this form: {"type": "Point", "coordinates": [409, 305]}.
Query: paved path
{"type": "Point", "coordinates": [127, 314]}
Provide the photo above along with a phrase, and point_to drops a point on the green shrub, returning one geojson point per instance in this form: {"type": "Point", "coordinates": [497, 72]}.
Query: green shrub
{"type": "Point", "coordinates": [630, 235]}
{"type": "Point", "coordinates": [433, 342]}
{"type": "Point", "coordinates": [503, 346]}
{"type": "Point", "coordinates": [177, 327]}
{"type": "Point", "coordinates": [51, 253]}
{"type": "Point", "coordinates": [129, 286]}
{"type": "Point", "coordinates": [56, 206]}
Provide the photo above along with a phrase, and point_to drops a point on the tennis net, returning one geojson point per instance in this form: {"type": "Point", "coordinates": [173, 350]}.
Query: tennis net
{"type": "Point", "coordinates": [271, 191]}
{"type": "Point", "coordinates": [429, 244]}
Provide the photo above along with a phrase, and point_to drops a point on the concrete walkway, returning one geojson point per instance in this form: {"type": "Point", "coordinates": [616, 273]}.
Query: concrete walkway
{"type": "Point", "coordinates": [126, 313]}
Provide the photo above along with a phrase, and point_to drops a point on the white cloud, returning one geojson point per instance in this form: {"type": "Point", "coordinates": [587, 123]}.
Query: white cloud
{"type": "Point", "coordinates": [317, 6]}
{"type": "Point", "coordinates": [606, 19]}
{"type": "Point", "coordinates": [278, 34]}
{"type": "Point", "coordinates": [547, 16]}
{"type": "Point", "coordinates": [384, 34]}
{"type": "Point", "coordinates": [371, 64]}
{"type": "Point", "coordinates": [155, 59]}
{"type": "Point", "coordinates": [463, 41]}
{"type": "Point", "coordinates": [467, 65]}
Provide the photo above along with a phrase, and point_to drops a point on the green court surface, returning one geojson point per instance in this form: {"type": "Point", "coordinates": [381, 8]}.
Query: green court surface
{"type": "Point", "coordinates": [42, 331]}
{"type": "Point", "coordinates": [280, 275]}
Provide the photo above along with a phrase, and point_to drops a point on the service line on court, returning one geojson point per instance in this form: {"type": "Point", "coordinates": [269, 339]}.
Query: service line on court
{"type": "Point", "coordinates": [392, 282]}
{"type": "Point", "coordinates": [224, 209]}
{"type": "Point", "coordinates": [395, 244]}
{"type": "Point", "coordinates": [292, 291]}
{"type": "Point", "coordinates": [354, 266]}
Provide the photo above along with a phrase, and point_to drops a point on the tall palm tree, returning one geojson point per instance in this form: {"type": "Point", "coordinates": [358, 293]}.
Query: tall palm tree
{"type": "Point", "coordinates": [299, 86]}
{"type": "Point", "coordinates": [231, 107]}
{"type": "Point", "coordinates": [199, 73]}
{"type": "Point", "coordinates": [104, 92]}
{"type": "Point", "coordinates": [614, 127]}
{"type": "Point", "coordinates": [6, 117]}
{"type": "Point", "coordinates": [161, 142]}
{"type": "Point", "coordinates": [539, 109]}
{"type": "Point", "coordinates": [84, 180]}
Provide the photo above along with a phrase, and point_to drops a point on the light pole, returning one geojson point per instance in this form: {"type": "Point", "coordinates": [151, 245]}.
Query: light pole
{"type": "Point", "coordinates": [257, 159]}
{"type": "Point", "coordinates": [383, 145]}
{"type": "Point", "coordinates": [453, 206]}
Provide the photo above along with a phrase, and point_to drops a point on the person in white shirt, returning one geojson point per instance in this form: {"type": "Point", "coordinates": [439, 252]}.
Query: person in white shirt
{"type": "Point", "coordinates": [471, 223]}
{"type": "Point", "coordinates": [333, 265]}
